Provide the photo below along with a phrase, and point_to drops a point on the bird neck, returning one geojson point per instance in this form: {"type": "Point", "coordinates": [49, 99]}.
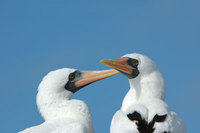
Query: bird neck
{"type": "Point", "coordinates": [50, 103]}
{"type": "Point", "coordinates": [59, 105]}
{"type": "Point", "coordinates": [145, 87]}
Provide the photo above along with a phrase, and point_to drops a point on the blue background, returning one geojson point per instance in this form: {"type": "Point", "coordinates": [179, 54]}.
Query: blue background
{"type": "Point", "coordinates": [37, 36]}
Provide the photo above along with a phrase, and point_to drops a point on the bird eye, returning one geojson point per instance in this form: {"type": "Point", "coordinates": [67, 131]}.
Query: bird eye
{"type": "Point", "coordinates": [71, 76]}
{"type": "Point", "coordinates": [136, 62]}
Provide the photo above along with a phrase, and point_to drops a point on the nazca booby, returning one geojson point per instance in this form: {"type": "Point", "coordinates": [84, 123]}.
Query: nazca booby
{"type": "Point", "coordinates": [62, 114]}
{"type": "Point", "coordinates": [143, 108]}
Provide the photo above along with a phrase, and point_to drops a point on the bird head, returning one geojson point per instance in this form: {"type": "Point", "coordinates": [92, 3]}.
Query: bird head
{"type": "Point", "coordinates": [131, 65]}
{"type": "Point", "coordinates": [67, 81]}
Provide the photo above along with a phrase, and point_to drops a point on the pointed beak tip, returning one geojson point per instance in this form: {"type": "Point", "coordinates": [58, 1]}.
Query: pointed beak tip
{"type": "Point", "coordinates": [104, 61]}
{"type": "Point", "coordinates": [115, 71]}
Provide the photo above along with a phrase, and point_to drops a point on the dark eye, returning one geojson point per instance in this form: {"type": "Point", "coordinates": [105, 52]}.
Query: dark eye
{"type": "Point", "coordinates": [71, 76]}
{"type": "Point", "coordinates": [136, 62]}
{"type": "Point", "coordinates": [132, 62]}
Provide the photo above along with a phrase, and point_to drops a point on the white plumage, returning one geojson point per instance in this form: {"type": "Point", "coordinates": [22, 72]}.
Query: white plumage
{"type": "Point", "coordinates": [144, 103]}
{"type": "Point", "coordinates": [62, 114]}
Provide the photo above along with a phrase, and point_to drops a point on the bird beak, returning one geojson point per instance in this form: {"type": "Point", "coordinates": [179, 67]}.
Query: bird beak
{"type": "Point", "coordinates": [120, 64]}
{"type": "Point", "coordinates": [92, 76]}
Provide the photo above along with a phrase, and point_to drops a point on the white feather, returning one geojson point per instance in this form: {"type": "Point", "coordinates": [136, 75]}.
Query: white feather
{"type": "Point", "coordinates": [146, 96]}
{"type": "Point", "coordinates": [61, 114]}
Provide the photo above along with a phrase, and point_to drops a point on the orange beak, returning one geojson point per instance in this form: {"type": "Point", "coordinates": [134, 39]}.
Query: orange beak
{"type": "Point", "coordinates": [118, 64]}
{"type": "Point", "coordinates": [92, 76]}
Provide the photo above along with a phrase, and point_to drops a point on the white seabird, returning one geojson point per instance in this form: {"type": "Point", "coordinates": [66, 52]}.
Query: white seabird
{"type": "Point", "coordinates": [143, 109]}
{"type": "Point", "coordinates": [62, 114]}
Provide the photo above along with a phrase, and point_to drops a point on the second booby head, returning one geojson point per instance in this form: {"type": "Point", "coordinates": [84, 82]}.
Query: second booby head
{"type": "Point", "coordinates": [142, 73]}
{"type": "Point", "coordinates": [143, 109]}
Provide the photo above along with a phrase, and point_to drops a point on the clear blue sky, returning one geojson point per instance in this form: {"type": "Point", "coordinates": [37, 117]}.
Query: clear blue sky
{"type": "Point", "coordinates": [37, 36]}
